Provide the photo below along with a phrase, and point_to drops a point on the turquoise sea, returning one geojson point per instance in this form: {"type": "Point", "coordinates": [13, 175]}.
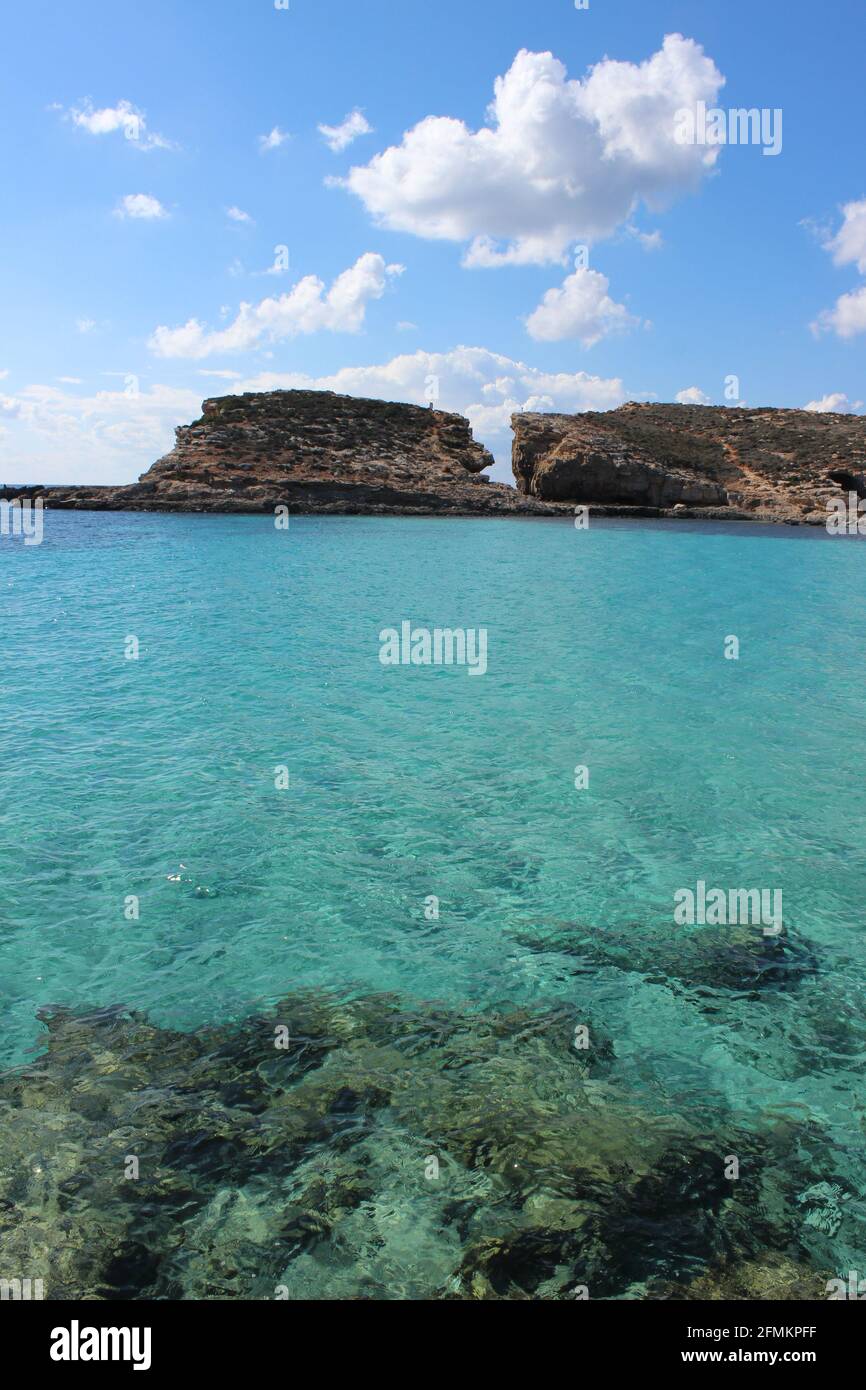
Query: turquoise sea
{"type": "Point", "coordinates": [149, 787]}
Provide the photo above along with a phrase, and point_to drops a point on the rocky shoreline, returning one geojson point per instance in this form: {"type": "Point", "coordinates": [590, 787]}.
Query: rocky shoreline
{"type": "Point", "coordinates": [319, 453]}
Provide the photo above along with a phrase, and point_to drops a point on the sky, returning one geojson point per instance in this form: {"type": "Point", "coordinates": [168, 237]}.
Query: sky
{"type": "Point", "coordinates": [500, 206]}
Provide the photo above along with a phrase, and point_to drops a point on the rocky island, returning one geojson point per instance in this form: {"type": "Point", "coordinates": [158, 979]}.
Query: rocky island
{"type": "Point", "coordinates": [316, 451]}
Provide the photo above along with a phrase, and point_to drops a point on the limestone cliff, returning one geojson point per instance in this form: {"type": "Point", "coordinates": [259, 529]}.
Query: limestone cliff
{"type": "Point", "coordinates": [765, 465]}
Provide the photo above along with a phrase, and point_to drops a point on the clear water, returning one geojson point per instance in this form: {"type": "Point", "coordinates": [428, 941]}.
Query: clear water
{"type": "Point", "coordinates": [260, 648]}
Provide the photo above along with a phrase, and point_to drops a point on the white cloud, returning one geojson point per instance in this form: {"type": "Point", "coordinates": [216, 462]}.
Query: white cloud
{"type": "Point", "coordinates": [848, 246]}
{"type": "Point", "coordinates": [238, 215]}
{"type": "Point", "coordinates": [4, 374]}
{"type": "Point", "coordinates": [560, 160]}
{"type": "Point", "coordinates": [581, 308]}
{"type": "Point", "coordinates": [85, 325]}
{"type": "Point", "coordinates": [70, 380]}
{"type": "Point", "coordinates": [109, 437]}
{"type": "Point", "coordinates": [140, 206]}
{"type": "Point", "coordinates": [847, 318]}
{"type": "Point", "coordinates": [339, 137]}
{"type": "Point", "coordinates": [834, 403]}
{"type": "Point", "coordinates": [273, 141]}
{"type": "Point", "coordinates": [309, 307]}
{"type": "Point", "coordinates": [10, 408]}
{"type": "Point", "coordinates": [107, 120]}
{"type": "Point", "coordinates": [405, 326]}
{"type": "Point", "coordinates": [650, 241]}
{"type": "Point", "coordinates": [693, 395]}
{"type": "Point", "coordinates": [225, 375]}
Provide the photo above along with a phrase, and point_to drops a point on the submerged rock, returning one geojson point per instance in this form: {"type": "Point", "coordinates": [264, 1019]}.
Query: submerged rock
{"type": "Point", "coordinates": [360, 1148]}
{"type": "Point", "coordinates": [733, 958]}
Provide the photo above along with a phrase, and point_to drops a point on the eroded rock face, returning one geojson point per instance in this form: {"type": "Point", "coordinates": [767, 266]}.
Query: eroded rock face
{"type": "Point", "coordinates": [768, 465]}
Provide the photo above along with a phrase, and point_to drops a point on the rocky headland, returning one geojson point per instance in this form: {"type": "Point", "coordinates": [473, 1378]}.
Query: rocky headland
{"type": "Point", "coordinates": [709, 461]}
{"type": "Point", "coordinates": [315, 451]}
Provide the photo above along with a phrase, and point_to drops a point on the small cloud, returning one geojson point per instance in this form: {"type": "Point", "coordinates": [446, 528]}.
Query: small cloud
{"type": "Point", "coordinates": [125, 117]}
{"type": "Point", "coordinates": [406, 327]}
{"type": "Point", "coordinates": [650, 241]}
{"type": "Point", "coordinates": [225, 375]}
{"type": "Point", "coordinates": [4, 374]}
{"type": "Point", "coordinates": [273, 141]}
{"type": "Point", "coordinates": [85, 325]}
{"type": "Point", "coordinates": [693, 395]}
{"type": "Point", "coordinates": [70, 380]}
{"type": "Point", "coordinates": [140, 206]}
{"type": "Point", "coordinates": [238, 215]}
{"type": "Point", "coordinates": [836, 403]}
{"type": "Point", "coordinates": [581, 308]}
{"type": "Point", "coordinates": [339, 137]}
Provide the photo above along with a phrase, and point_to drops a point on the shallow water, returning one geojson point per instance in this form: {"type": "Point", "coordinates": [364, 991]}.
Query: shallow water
{"type": "Point", "coordinates": [155, 778]}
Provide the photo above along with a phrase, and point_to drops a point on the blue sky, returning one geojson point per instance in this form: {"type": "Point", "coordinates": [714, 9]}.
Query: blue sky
{"type": "Point", "coordinates": [156, 156]}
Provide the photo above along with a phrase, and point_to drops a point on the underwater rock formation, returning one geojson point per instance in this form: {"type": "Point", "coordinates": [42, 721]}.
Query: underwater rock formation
{"type": "Point", "coordinates": [362, 1148]}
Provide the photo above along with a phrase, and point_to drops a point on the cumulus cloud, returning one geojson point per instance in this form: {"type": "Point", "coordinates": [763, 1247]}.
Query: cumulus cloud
{"type": "Point", "coordinates": [835, 403]}
{"type": "Point", "coordinates": [141, 206]}
{"type": "Point", "coordinates": [339, 137]}
{"type": "Point", "coordinates": [693, 395]}
{"type": "Point", "coordinates": [238, 215]}
{"type": "Point", "coordinates": [273, 140]}
{"type": "Point", "coordinates": [848, 246]}
{"type": "Point", "coordinates": [560, 160]}
{"type": "Point", "coordinates": [847, 318]}
{"type": "Point", "coordinates": [108, 120]}
{"type": "Point", "coordinates": [309, 307]}
{"type": "Point", "coordinates": [581, 308]}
